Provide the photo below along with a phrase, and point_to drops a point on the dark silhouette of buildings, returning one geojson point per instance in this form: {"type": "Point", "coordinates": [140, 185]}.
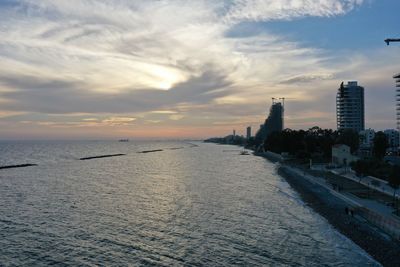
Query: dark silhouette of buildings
{"type": "Point", "coordinates": [350, 107]}
{"type": "Point", "coordinates": [248, 132]}
{"type": "Point", "coordinates": [273, 123]}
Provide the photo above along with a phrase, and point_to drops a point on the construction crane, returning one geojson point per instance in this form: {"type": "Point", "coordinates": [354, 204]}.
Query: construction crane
{"type": "Point", "coordinates": [388, 41]}
{"type": "Point", "coordinates": [281, 99]}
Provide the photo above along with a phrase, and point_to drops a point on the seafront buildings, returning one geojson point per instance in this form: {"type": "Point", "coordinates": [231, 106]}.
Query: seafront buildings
{"type": "Point", "coordinates": [248, 132]}
{"type": "Point", "coordinates": [367, 141]}
{"type": "Point", "coordinates": [397, 78]}
{"type": "Point", "coordinates": [367, 138]}
{"type": "Point", "coordinates": [350, 107]}
{"type": "Point", "coordinates": [393, 138]}
{"type": "Point", "coordinates": [341, 155]}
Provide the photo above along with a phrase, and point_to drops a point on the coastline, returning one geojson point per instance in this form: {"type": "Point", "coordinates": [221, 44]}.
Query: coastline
{"type": "Point", "coordinates": [379, 246]}
{"type": "Point", "coordinates": [330, 205]}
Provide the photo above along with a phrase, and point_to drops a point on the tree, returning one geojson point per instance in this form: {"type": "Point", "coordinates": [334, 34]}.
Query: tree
{"type": "Point", "coordinates": [394, 177]}
{"type": "Point", "coordinates": [327, 140]}
{"type": "Point", "coordinates": [349, 137]}
{"type": "Point", "coordinates": [274, 142]}
{"type": "Point", "coordinates": [258, 138]}
{"type": "Point", "coordinates": [380, 145]}
{"type": "Point", "coordinates": [302, 144]}
{"type": "Point", "coordinates": [361, 168]}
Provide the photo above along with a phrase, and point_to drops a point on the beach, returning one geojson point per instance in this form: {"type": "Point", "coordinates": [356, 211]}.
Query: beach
{"type": "Point", "coordinates": [381, 247]}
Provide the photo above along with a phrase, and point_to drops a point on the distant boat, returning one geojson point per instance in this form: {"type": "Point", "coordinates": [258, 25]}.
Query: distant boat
{"type": "Point", "coordinates": [244, 152]}
{"type": "Point", "coordinates": [123, 140]}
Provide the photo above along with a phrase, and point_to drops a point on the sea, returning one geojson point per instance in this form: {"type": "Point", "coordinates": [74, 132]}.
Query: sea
{"type": "Point", "coordinates": [191, 204]}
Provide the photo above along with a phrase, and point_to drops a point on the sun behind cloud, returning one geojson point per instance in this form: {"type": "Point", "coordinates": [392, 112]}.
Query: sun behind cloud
{"type": "Point", "coordinates": [177, 63]}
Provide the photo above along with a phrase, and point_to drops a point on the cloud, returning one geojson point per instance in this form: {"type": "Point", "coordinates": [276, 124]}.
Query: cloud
{"type": "Point", "coordinates": [261, 10]}
{"type": "Point", "coordinates": [62, 97]}
{"type": "Point", "coordinates": [86, 122]}
{"type": "Point", "coordinates": [176, 117]}
{"type": "Point", "coordinates": [168, 61]}
{"type": "Point", "coordinates": [118, 121]}
{"type": "Point", "coordinates": [113, 45]}
{"type": "Point", "coordinates": [308, 78]}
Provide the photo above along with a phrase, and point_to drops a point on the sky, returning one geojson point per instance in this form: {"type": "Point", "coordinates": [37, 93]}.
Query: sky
{"type": "Point", "coordinates": [156, 69]}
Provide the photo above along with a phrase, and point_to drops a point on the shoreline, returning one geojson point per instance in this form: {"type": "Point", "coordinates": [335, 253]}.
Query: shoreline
{"type": "Point", "coordinates": [378, 245]}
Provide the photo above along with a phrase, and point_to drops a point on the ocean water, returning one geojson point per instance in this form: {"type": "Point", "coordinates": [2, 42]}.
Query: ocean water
{"type": "Point", "coordinates": [187, 205]}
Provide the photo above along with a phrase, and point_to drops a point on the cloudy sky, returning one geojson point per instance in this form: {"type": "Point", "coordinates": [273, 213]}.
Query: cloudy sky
{"type": "Point", "coordinates": [81, 69]}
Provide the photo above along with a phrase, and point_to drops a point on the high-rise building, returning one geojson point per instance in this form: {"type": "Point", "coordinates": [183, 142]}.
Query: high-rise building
{"type": "Point", "coordinates": [248, 132]}
{"type": "Point", "coordinates": [273, 123]}
{"type": "Point", "coordinates": [350, 107]}
{"type": "Point", "coordinates": [397, 78]}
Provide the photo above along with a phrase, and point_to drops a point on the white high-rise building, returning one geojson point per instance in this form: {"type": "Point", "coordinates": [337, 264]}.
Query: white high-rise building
{"type": "Point", "coordinates": [350, 107]}
{"type": "Point", "coordinates": [397, 79]}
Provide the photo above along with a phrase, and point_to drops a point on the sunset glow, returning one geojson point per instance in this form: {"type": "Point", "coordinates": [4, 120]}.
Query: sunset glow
{"type": "Point", "coordinates": [76, 64]}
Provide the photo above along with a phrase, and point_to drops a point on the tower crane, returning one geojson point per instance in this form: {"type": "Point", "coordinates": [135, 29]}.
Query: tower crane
{"type": "Point", "coordinates": [389, 40]}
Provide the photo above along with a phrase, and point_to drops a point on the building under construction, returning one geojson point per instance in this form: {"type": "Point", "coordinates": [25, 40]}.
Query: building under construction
{"type": "Point", "coordinates": [397, 78]}
{"type": "Point", "coordinates": [274, 121]}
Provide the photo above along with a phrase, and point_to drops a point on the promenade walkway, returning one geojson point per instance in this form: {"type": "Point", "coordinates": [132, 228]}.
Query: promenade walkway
{"type": "Point", "coordinates": [374, 183]}
{"type": "Point", "coordinates": [374, 211]}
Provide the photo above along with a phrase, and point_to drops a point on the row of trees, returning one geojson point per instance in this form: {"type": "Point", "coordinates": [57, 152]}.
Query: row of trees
{"type": "Point", "coordinates": [375, 166]}
{"type": "Point", "coordinates": [320, 141]}
{"type": "Point", "coordinates": [317, 143]}
{"type": "Point", "coordinates": [312, 142]}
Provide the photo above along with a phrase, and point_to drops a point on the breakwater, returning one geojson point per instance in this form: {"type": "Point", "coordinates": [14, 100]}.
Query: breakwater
{"type": "Point", "coordinates": [102, 156]}
{"type": "Point", "coordinates": [150, 151]}
{"type": "Point", "coordinates": [17, 166]}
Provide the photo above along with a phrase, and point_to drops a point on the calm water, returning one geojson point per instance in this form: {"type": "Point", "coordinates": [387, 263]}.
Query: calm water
{"type": "Point", "coordinates": [196, 206]}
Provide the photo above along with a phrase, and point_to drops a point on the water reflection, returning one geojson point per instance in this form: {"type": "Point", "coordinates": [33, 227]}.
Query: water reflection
{"type": "Point", "coordinates": [190, 206]}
